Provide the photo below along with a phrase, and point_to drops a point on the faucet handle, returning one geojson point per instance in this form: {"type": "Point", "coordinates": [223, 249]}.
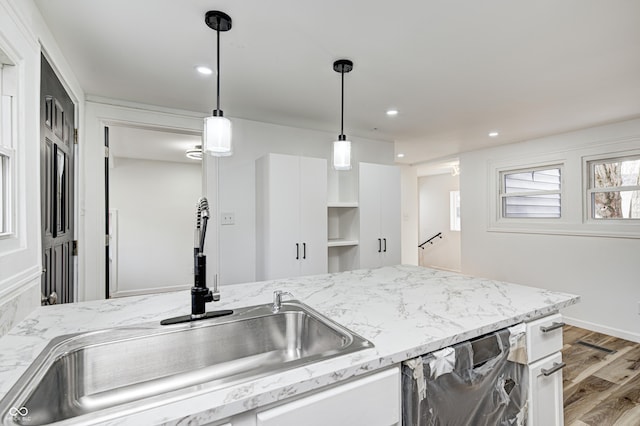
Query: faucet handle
{"type": "Point", "coordinates": [277, 300]}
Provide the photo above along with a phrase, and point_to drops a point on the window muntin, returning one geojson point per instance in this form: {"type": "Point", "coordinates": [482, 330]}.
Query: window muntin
{"type": "Point", "coordinates": [614, 188]}
{"type": "Point", "coordinates": [531, 193]}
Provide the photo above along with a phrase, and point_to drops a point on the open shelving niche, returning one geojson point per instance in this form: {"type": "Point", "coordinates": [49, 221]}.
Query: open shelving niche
{"type": "Point", "coordinates": [343, 220]}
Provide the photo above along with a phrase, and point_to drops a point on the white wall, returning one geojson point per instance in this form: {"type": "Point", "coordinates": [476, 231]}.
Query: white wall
{"type": "Point", "coordinates": [434, 218]}
{"type": "Point", "coordinates": [252, 140]}
{"type": "Point", "coordinates": [155, 203]}
{"type": "Point", "coordinates": [409, 211]}
{"type": "Point", "coordinates": [568, 256]}
{"type": "Point", "coordinates": [237, 180]}
{"type": "Point", "coordinates": [22, 35]}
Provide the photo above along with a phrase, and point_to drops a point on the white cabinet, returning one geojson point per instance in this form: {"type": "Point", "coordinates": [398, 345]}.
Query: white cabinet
{"type": "Point", "coordinates": [374, 400]}
{"type": "Point", "coordinates": [370, 401]}
{"type": "Point", "coordinates": [379, 206]}
{"type": "Point", "coordinates": [291, 216]}
{"type": "Point", "coordinates": [544, 342]}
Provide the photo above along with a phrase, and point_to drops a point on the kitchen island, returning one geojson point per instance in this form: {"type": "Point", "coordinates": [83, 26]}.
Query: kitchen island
{"type": "Point", "coordinates": [406, 311]}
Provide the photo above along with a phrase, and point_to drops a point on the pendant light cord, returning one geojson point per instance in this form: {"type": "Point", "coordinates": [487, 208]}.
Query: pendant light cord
{"type": "Point", "coordinates": [342, 106]}
{"type": "Point", "coordinates": [218, 67]}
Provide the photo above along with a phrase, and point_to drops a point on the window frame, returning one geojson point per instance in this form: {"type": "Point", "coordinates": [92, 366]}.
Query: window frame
{"type": "Point", "coordinates": [454, 211]}
{"type": "Point", "coordinates": [589, 164]}
{"type": "Point", "coordinates": [503, 195]}
{"type": "Point", "coordinates": [8, 140]}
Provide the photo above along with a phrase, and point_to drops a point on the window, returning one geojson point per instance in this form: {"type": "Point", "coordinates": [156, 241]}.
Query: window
{"type": "Point", "coordinates": [454, 210]}
{"type": "Point", "coordinates": [531, 193]}
{"type": "Point", "coordinates": [614, 188]}
{"type": "Point", "coordinates": [4, 161]}
{"type": "Point", "coordinates": [7, 153]}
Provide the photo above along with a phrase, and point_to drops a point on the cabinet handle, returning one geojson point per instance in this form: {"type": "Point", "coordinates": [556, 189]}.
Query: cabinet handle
{"type": "Point", "coordinates": [297, 251]}
{"type": "Point", "coordinates": [385, 245]}
{"type": "Point", "coordinates": [304, 250]}
{"type": "Point", "coordinates": [553, 326]}
{"type": "Point", "coordinates": [379, 245]}
{"type": "Point", "coordinates": [557, 366]}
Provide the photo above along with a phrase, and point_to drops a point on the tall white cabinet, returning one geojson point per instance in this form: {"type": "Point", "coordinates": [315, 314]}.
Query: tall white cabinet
{"type": "Point", "coordinates": [291, 216]}
{"type": "Point", "coordinates": [379, 205]}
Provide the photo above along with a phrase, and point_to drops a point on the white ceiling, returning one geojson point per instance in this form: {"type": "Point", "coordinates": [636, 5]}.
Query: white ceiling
{"type": "Point", "coordinates": [150, 144]}
{"type": "Point", "coordinates": [454, 69]}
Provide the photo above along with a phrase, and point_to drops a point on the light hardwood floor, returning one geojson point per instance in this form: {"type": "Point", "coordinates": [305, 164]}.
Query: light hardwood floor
{"type": "Point", "coordinates": [601, 387]}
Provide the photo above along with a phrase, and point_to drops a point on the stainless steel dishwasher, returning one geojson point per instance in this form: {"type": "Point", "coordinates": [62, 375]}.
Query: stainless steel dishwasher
{"type": "Point", "coordinates": [472, 383]}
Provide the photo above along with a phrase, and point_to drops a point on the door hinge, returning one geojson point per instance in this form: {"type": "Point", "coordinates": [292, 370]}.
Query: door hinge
{"type": "Point", "coordinates": [75, 136]}
{"type": "Point", "coordinates": [74, 249]}
{"type": "Point", "coordinates": [106, 240]}
{"type": "Point", "coordinates": [106, 152]}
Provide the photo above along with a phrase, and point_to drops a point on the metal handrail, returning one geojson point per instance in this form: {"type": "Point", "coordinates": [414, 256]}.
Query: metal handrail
{"type": "Point", "coordinates": [430, 240]}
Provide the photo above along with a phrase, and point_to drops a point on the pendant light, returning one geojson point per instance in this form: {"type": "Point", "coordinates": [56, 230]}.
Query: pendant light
{"type": "Point", "coordinates": [342, 147]}
{"type": "Point", "coordinates": [217, 128]}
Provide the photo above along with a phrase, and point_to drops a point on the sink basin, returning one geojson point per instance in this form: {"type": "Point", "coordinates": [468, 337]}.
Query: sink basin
{"type": "Point", "coordinates": [101, 374]}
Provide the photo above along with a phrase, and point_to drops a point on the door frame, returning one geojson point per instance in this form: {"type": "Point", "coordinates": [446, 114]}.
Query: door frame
{"type": "Point", "coordinates": [101, 113]}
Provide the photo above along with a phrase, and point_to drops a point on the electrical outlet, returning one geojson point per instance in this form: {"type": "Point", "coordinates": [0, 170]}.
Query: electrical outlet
{"type": "Point", "coordinates": [227, 218]}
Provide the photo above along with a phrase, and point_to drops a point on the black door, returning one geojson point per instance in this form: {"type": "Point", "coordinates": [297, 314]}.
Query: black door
{"type": "Point", "coordinates": [56, 187]}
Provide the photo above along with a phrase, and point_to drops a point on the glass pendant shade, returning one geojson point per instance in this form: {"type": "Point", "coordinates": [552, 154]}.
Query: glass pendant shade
{"type": "Point", "coordinates": [342, 155]}
{"type": "Point", "coordinates": [217, 136]}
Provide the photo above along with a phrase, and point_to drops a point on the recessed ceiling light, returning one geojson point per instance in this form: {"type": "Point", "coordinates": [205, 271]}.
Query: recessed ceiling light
{"type": "Point", "coordinates": [204, 70]}
{"type": "Point", "coordinates": [493, 134]}
{"type": "Point", "coordinates": [392, 112]}
{"type": "Point", "coordinates": [401, 155]}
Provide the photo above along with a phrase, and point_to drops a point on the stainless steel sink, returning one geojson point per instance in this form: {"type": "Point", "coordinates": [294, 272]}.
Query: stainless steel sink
{"type": "Point", "coordinates": [98, 375]}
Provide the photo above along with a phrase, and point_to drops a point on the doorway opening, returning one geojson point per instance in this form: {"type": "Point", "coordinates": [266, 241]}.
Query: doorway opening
{"type": "Point", "coordinates": [151, 187]}
{"type": "Point", "coordinates": [439, 216]}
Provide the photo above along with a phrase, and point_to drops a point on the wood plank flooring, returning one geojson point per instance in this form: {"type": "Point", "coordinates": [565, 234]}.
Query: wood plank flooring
{"type": "Point", "coordinates": [601, 388]}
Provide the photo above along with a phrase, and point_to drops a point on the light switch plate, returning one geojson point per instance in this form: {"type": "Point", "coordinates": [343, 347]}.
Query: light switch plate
{"type": "Point", "coordinates": [227, 218]}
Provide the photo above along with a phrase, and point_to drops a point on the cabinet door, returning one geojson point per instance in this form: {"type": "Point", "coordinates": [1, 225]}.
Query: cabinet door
{"type": "Point", "coordinates": [371, 401]}
{"type": "Point", "coordinates": [313, 216]}
{"type": "Point", "coordinates": [282, 207]}
{"type": "Point", "coordinates": [390, 214]}
{"type": "Point", "coordinates": [545, 397]}
{"type": "Point", "coordinates": [369, 206]}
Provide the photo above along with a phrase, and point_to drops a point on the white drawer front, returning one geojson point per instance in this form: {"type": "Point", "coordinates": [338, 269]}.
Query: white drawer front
{"type": "Point", "coordinates": [544, 337]}
{"type": "Point", "coordinates": [371, 401]}
{"type": "Point", "coordinates": [545, 396]}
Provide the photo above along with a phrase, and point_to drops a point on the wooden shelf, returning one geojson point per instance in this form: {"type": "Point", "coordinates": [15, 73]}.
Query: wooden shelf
{"type": "Point", "coordinates": [341, 242]}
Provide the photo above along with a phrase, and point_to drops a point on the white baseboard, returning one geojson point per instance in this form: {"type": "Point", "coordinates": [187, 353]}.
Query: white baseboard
{"type": "Point", "coordinates": [622, 334]}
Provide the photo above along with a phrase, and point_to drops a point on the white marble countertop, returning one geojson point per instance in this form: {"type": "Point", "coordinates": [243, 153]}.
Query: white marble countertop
{"type": "Point", "coordinates": [405, 311]}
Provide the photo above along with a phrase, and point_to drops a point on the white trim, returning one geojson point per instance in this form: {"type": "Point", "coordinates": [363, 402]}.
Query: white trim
{"type": "Point", "coordinates": [575, 183]}
{"type": "Point", "coordinates": [113, 252]}
{"type": "Point", "coordinates": [497, 223]}
{"type": "Point", "coordinates": [98, 115]}
{"type": "Point", "coordinates": [15, 284]}
{"type": "Point", "coordinates": [587, 190]}
{"type": "Point", "coordinates": [616, 332]}
{"type": "Point", "coordinates": [126, 106]}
